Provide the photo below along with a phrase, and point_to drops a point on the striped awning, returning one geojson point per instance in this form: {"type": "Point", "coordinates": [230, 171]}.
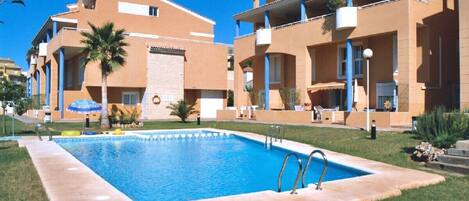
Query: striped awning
{"type": "Point", "coordinates": [326, 86]}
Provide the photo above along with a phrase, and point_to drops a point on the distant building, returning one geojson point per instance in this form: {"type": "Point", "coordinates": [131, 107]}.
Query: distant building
{"type": "Point", "coordinates": [11, 71]}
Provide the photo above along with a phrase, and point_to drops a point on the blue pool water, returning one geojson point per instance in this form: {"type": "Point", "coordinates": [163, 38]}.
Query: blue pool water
{"type": "Point", "coordinates": [192, 168]}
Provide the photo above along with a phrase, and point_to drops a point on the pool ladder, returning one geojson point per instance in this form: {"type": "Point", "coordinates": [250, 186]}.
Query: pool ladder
{"type": "Point", "coordinates": [324, 168]}
{"type": "Point", "coordinates": [302, 172]}
{"type": "Point", "coordinates": [298, 176]}
{"type": "Point", "coordinates": [276, 133]}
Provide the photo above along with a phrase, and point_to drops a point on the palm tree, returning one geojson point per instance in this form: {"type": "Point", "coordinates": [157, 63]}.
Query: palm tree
{"type": "Point", "coordinates": [104, 45]}
{"type": "Point", "coordinates": [32, 51]}
{"type": "Point", "coordinates": [12, 2]}
{"type": "Point", "coordinates": [181, 109]}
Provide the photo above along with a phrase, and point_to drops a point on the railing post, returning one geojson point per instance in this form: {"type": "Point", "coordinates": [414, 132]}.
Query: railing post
{"type": "Point", "coordinates": [238, 26]}
{"type": "Point", "coordinates": [48, 84]}
{"type": "Point", "coordinates": [38, 89]}
{"type": "Point", "coordinates": [304, 15]}
{"type": "Point", "coordinates": [349, 74]}
{"type": "Point", "coordinates": [267, 19]}
{"type": "Point", "coordinates": [267, 81]}
{"type": "Point", "coordinates": [54, 28]}
{"type": "Point", "coordinates": [61, 81]}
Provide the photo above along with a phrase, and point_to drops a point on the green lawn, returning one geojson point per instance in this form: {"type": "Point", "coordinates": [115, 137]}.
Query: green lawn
{"type": "Point", "coordinates": [18, 177]}
{"type": "Point", "coordinates": [392, 148]}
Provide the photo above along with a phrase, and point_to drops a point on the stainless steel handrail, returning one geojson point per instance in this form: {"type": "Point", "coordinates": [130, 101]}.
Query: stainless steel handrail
{"type": "Point", "coordinates": [300, 168]}
{"type": "Point", "coordinates": [324, 169]}
{"type": "Point", "coordinates": [275, 132]}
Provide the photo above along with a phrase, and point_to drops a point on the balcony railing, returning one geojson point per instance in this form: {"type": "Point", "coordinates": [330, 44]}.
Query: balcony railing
{"type": "Point", "coordinates": [379, 3]}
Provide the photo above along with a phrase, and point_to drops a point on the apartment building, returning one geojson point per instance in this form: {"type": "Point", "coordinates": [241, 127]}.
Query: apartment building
{"type": "Point", "coordinates": [11, 71]}
{"type": "Point", "coordinates": [171, 55]}
{"type": "Point", "coordinates": [304, 46]}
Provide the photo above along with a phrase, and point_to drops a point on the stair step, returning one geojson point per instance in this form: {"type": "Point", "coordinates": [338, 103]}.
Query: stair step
{"type": "Point", "coordinates": [458, 152]}
{"type": "Point", "coordinates": [462, 144]}
{"type": "Point", "coordinates": [448, 167]}
{"type": "Point", "coordinates": [456, 160]}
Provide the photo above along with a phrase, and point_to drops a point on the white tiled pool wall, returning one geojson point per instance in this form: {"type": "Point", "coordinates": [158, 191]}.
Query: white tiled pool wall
{"type": "Point", "coordinates": [150, 135]}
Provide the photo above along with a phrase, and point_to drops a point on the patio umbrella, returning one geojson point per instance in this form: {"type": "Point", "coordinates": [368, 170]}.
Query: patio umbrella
{"type": "Point", "coordinates": [85, 107]}
{"type": "Point", "coordinates": [355, 92]}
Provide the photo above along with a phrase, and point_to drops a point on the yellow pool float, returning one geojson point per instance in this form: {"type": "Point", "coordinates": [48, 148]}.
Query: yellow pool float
{"type": "Point", "coordinates": [70, 133]}
{"type": "Point", "coordinates": [118, 132]}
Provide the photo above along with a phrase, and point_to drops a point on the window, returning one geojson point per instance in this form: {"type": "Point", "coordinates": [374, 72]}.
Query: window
{"type": "Point", "coordinates": [130, 98]}
{"type": "Point", "coordinates": [357, 61]}
{"type": "Point", "coordinates": [275, 69]}
{"type": "Point", "coordinates": [153, 11]}
{"type": "Point", "coordinates": [385, 92]}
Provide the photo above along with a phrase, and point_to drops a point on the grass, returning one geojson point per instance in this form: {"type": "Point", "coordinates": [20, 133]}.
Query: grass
{"type": "Point", "coordinates": [18, 177]}
{"type": "Point", "coordinates": [391, 148]}
{"type": "Point", "coordinates": [454, 188]}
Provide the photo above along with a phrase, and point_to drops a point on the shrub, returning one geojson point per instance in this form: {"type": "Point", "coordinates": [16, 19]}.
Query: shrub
{"type": "Point", "coordinates": [230, 101]}
{"type": "Point", "coordinates": [443, 129]}
{"type": "Point", "coordinates": [290, 98]}
{"type": "Point", "coordinates": [333, 5]}
{"type": "Point", "coordinates": [181, 109]}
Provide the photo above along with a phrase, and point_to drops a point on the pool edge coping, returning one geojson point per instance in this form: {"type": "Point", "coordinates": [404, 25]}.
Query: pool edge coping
{"type": "Point", "coordinates": [393, 188]}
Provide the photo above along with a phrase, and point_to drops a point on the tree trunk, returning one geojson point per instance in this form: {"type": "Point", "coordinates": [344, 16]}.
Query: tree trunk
{"type": "Point", "coordinates": [4, 120]}
{"type": "Point", "coordinates": [104, 112]}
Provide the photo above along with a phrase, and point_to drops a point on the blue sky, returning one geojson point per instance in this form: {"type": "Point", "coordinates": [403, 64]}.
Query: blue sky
{"type": "Point", "coordinates": [22, 23]}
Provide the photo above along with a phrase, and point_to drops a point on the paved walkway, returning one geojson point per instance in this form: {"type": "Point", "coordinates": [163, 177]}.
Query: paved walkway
{"type": "Point", "coordinates": [66, 178]}
{"type": "Point", "coordinates": [320, 125]}
{"type": "Point", "coordinates": [25, 119]}
{"type": "Point", "coordinates": [384, 182]}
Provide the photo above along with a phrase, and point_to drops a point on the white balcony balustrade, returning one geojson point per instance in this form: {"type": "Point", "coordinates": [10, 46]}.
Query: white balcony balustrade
{"type": "Point", "coordinates": [33, 60]}
{"type": "Point", "coordinates": [43, 49]}
{"type": "Point", "coordinates": [264, 37]}
{"type": "Point", "coordinates": [346, 18]}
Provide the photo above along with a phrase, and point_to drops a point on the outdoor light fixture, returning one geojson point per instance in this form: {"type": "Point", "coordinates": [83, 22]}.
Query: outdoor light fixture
{"type": "Point", "coordinates": [367, 54]}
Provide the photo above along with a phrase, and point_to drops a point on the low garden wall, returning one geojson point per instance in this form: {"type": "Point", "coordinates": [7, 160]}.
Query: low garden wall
{"type": "Point", "coordinates": [383, 119]}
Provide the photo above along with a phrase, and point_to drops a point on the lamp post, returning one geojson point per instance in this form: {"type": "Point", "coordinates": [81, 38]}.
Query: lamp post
{"type": "Point", "coordinates": [367, 54]}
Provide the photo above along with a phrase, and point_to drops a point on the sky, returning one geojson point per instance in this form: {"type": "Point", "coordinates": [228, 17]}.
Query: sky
{"type": "Point", "coordinates": [22, 23]}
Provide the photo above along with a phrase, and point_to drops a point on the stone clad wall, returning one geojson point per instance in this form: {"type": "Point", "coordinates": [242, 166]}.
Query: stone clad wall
{"type": "Point", "coordinates": [165, 78]}
{"type": "Point", "coordinates": [464, 52]}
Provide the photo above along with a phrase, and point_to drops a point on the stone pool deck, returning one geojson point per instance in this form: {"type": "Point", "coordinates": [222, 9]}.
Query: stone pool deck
{"type": "Point", "coordinates": [386, 180]}
{"type": "Point", "coordinates": [66, 178]}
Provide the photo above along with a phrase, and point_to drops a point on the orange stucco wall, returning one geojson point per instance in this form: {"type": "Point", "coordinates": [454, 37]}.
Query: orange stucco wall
{"type": "Point", "coordinates": [205, 62]}
{"type": "Point", "coordinates": [417, 27]}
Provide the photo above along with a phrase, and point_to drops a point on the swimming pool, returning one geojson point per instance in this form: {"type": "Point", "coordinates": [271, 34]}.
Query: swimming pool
{"type": "Point", "coordinates": [191, 165]}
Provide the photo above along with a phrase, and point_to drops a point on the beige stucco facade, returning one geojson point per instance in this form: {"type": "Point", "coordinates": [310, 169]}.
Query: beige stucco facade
{"type": "Point", "coordinates": [414, 44]}
{"type": "Point", "coordinates": [203, 64]}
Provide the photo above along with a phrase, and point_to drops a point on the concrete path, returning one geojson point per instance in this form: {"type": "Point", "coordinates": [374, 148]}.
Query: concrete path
{"type": "Point", "coordinates": [25, 119]}
{"type": "Point", "coordinates": [320, 125]}
{"type": "Point", "coordinates": [66, 178]}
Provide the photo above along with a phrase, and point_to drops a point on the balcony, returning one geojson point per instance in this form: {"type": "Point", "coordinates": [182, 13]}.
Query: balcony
{"type": "Point", "coordinates": [67, 37]}
{"type": "Point", "coordinates": [264, 37]}
{"type": "Point", "coordinates": [344, 18]}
